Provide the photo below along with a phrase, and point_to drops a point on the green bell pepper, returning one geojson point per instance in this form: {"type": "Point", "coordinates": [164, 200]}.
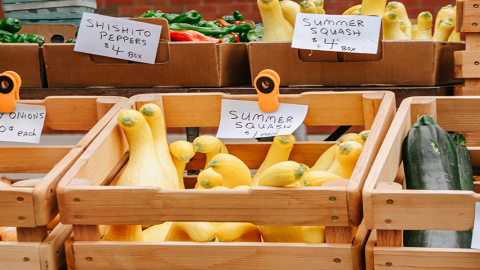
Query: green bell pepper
{"type": "Point", "coordinates": [238, 16]}
{"type": "Point", "coordinates": [229, 18]}
{"type": "Point", "coordinates": [212, 31]}
{"type": "Point", "coordinates": [11, 25]}
{"type": "Point", "coordinates": [191, 17]}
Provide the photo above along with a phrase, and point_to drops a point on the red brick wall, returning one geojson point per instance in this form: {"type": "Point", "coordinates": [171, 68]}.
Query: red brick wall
{"type": "Point", "coordinates": [213, 9]}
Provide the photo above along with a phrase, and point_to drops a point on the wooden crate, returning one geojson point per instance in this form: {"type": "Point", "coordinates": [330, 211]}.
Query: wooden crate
{"type": "Point", "coordinates": [31, 209]}
{"type": "Point", "coordinates": [338, 207]}
{"type": "Point", "coordinates": [390, 209]}
{"type": "Point", "coordinates": [467, 63]}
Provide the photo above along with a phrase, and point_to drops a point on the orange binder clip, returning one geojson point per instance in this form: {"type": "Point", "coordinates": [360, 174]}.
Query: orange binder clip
{"type": "Point", "coordinates": [267, 84]}
{"type": "Point", "coordinates": [9, 91]}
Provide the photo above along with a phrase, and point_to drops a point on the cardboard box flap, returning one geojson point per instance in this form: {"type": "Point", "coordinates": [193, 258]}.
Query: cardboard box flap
{"type": "Point", "coordinates": [53, 33]}
{"type": "Point", "coordinates": [445, 61]}
{"type": "Point", "coordinates": [403, 63]}
{"type": "Point", "coordinates": [26, 60]}
{"type": "Point", "coordinates": [233, 64]}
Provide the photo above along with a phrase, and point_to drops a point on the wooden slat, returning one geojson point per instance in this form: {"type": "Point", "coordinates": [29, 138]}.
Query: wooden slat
{"type": "Point", "coordinates": [36, 234]}
{"type": "Point", "coordinates": [371, 243]}
{"type": "Point", "coordinates": [467, 64]}
{"type": "Point", "coordinates": [21, 256]}
{"type": "Point", "coordinates": [371, 105]}
{"type": "Point", "coordinates": [69, 253]}
{"type": "Point", "coordinates": [426, 258]}
{"type": "Point", "coordinates": [458, 114]}
{"type": "Point", "coordinates": [471, 15]}
{"type": "Point", "coordinates": [31, 159]}
{"type": "Point", "coordinates": [388, 160]}
{"type": "Point", "coordinates": [424, 210]}
{"type": "Point", "coordinates": [52, 250]}
{"type": "Point", "coordinates": [358, 247]}
{"type": "Point", "coordinates": [183, 255]}
{"type": "Point", "coordinates": [259, 205]}
{"type": "Point", "coordinates": [389, 238]}
{"type": "Point", "coordinates": [17, 207]}
{"type": "Point", "coordinates": [86, 232]}
{"type": "Point", "coordinates": [203, 110]}
{"type": "Point", "coordinates": [424, 106]}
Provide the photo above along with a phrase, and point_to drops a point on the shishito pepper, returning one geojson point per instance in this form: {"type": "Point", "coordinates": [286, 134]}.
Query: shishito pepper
{"type": "Point", "coordinates": [238, 16]}
{"type": "Point", "coordinates": [169, 16]}
{"type": "Point", "coordinates": [201, 23]}
{"type": "Point", "coordinates": [229, 38]}
{"type": "Point", "coordinates": [191, 17]}
{"type": "Point", "coordinates": [11, 25]}
{"type": "Point", "coordinates": [7, 37]}
{"type": "Point", "coordinates": [212, 31]}
{"type": "Point", "coordinates": [256, 34]}
{"type": "Point", "coordinates": [190, 35]}
{"type": "Point", "coordinates": [72, 40]}
{"type": "Point", "coordinates": [211, 24]}
{"type": "Point", "coordinates": [228, 18]}
{"type": "Point", "coordinates": [152, 14]}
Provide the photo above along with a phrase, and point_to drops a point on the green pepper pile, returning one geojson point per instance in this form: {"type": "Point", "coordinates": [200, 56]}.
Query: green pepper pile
{"type": "Point", "coordinates": [230, 29]}
{"type": "Point", "coordinates": [8, 33]}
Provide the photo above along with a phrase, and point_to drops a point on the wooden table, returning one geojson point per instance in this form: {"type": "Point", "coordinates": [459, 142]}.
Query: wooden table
{"type": "Point", "coordinates": [401, 92]}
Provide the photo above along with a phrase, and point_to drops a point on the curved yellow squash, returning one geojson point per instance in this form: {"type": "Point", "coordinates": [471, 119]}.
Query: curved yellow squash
{"type": "Point", "coordinates": [274, 25]}
{"type": "Point", "coordinates": [238, 232]}
{"type": "Point", "coordinates": [233, 171]}
{"type": "Point", "coordinates": [282, 234]}
{"type": "Point", "coordinates": [424, 29]}
{"type": "Point", "coordinates": [124, 233]}
{"type": "Point", "coordinates": [348, 154]}
{"type": "Point", "coordinates": [191, 231]}
{"type": "Point", "coordinates": [313, 234]}
{"type": "Point", "coordinates": [391, 28]}
{"type": "Point", "coordinates": [282, 174]}
{"type": "Point", "coordinates": [182, 152]}
{"type": "Point", "coordinates": [157, 233]}
{"type": "Point", "coordinates": [326, 159]}
{"type": "Point", "coordinates": [210, 146]}
{"type": "Point", "coordinates": [318, 178]}
{"type": "Point", "coordinates": [209, 178]}
{"type": "Point", "coordinates": [279, 151]}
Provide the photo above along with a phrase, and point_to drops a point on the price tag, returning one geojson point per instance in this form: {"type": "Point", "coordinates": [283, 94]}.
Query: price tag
{"type": "Point", "coordinates": [118, 38]}
{"type": "Point", "coordinates": [25, 124]}
{"type": "Point", "coordinates": [337, 33]}
{"type": "Point", "coordinates": [476, 228]}
{"type": "Point", "coordinates": [244, 119]}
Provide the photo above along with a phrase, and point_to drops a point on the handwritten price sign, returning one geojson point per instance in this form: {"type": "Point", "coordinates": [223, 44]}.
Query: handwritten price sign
{"type": "Point", "coordinates": [25, 124]}
{"type": "Point", "coordinates": [118, 38]}
{"type": "Point", "coordinates": [337, 33]}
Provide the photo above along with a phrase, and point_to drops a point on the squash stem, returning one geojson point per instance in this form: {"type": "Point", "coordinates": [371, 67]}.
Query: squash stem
{"type": "Point", "coordinates": [128, 121]}
{"type": "Point", "coordinates": [213, 163]}
{"type": "Point", "coordinates": [148, 111]}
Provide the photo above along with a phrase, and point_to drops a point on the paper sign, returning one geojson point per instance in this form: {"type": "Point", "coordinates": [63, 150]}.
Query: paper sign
{"type": "Point", "coordinates": [25, 124]}
{"type": "Point", "coordinates": [244, 119]}
{"type": "Point", "coordinates": [337, 33]}
{"type": "Point", "coordinates": [476, 228]}
{"type": "Point", "coordinates": [118, 38]}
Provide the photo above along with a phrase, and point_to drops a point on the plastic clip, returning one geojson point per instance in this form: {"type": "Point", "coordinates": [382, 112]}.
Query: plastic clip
{"type": "Point", "coordinates": [267, 84]}
{"type": "Point", "coordinates": [10, 83]}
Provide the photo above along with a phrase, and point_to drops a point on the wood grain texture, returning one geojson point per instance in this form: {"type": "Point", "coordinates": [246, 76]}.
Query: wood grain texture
{"type": "Point", "coordinates": [21, 256]}
{"type": "Point", "coordinates": [458, 113]}
{"type": "Point", "coordinates": [388, 160]}
{"type": "Point", "coordinates": [17, 207]}
{"type": "Point", "coordinates": [86, 233]}
{"type": "Point", "coordinates": [371, 105]}
{"type": "Point", "coordinates": [358, 247]}
{"type": "Point", "coordinates": [371, 243]}
{"type": "Point", "coordinates": [338, 235]}
{"type": "Point", "coordinates": [52, 250]}
{"type": "Point", "coordinates": [36, 234]}
{"type": "Point", "coordinates": [425, 258]}
{"type": "Point", "coordinates": [466, 64]}
{"type": "Point", "coordinates": [183, 255]}
{"type": "Point", "coordinates": [425, 106]}
{"type": "Point", "coordinates": [259, 205]}
{"type": "Point", "coordinates": [389, 238]}
{"type": "Point", "coordinates": [470, 17]}
{"type": "Point", "coordinates": [31, 159]}
{"type": "Point", "coordinates": [69, 257]}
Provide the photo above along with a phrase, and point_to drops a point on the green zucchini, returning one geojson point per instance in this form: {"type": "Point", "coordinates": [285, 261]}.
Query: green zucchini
{"type": "Point", "coordinates": [464, 162]}
{"type": "Point", "coordinates": [431, 163]}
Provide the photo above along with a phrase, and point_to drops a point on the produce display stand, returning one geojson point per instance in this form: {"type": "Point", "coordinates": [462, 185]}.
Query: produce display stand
{"type": "Point", "coordinates": [389, 209]}
{"type": "Point", "coordinates": [30, 209]}
{"type": "Point", "coordinates": [467, 63]}
{"type": "Point", "coordinates": [337, 205]}
{"type": "Point", "coordinates": [400, 92]}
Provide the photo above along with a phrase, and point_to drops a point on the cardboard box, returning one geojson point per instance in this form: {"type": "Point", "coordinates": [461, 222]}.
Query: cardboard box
{"type": "Point", "coordinates": [402, 63]}
{"type": "Point", "coordinates": [178, 64]}
{"type": "Point", "coordinates": [26, 60]}
{"type": "Point", "coordinates": [53, 33]}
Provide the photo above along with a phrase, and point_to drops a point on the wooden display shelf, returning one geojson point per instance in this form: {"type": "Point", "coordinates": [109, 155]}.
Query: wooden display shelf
{"type": "Point", "coordinates": [467, 63]}
{"type": "Point", "coordinates": [400, 92]}
{"type": "Point", "coordinates": [30, 209]}
{"type": "Point", "coordinates": [337, 206]}
{"type": "Point", "coordinates": [390, 209]}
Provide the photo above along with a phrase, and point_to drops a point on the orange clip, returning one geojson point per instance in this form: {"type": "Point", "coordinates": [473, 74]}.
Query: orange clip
{"type": "Point", "coordinates": [9, 91]}
{"type": "Point", "coordinates": [267, 84]}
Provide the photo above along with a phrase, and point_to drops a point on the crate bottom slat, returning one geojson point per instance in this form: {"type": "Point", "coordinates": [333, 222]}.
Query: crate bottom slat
{"type": "Point", "coordinates": [425, 258]}
{"type": "Point", "coordinates": [187, 255]}
{"type": "Point", "coordinates": [15, 255]}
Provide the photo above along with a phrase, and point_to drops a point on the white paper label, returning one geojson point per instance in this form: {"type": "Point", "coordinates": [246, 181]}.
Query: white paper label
{"type": "Point", "coordinates": [337, 33]}
{"type": "Point", "coordinates": [25, 124]}
{"type": "Point", "coordinates": [118, 38]}
{"type": "Point", "coordinates": [476, 228]}
{"type": "Point", "coordinates": [244, 119]}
